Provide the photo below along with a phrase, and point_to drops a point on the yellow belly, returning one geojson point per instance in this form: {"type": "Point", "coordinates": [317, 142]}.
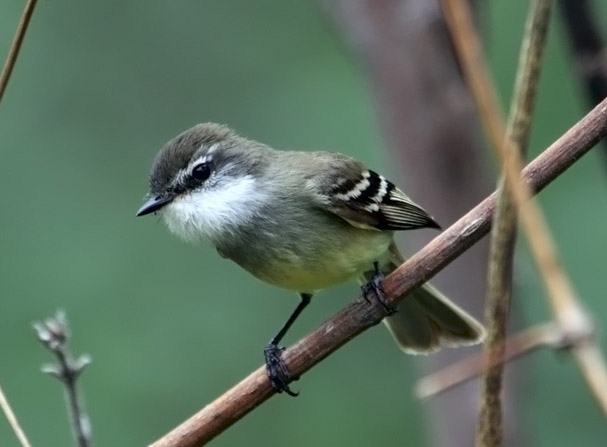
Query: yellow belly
{"type": "Point", "coordinates": [335, 266]}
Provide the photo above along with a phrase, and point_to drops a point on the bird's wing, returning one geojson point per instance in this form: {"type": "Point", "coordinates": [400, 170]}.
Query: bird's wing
{"type": "Point", "coordinates": [366, 199]}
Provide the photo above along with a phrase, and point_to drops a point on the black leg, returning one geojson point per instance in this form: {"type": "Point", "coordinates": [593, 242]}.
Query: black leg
{"type": "Point", "coordinates": [373, 288]}
{"type": "Point", "coordinates": [277, 371]}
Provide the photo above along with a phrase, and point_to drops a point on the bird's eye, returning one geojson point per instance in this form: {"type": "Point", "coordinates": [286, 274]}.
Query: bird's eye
{"type": "Point", "coordinates": [201, 171]}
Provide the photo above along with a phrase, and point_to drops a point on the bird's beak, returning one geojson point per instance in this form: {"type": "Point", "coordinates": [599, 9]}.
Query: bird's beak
{"type": "Point", "coordinates": [154, 204]}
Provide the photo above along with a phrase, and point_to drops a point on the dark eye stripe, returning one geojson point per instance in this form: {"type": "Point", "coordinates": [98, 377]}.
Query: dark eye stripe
{"type": "Point", "coordinates": [192, 180]}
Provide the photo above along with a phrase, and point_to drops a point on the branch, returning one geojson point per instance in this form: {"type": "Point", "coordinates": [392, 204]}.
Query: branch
{"type": "Point", "coordinates": [489, 430]}
{"type": "Point", "coordinates": [549, 335]}
{"type": "Point", "coordinates": [12, 420]}
{"type": "Point", "coordinates": [566, 306]}
{"type": "Point", "coordinates": [541, 244]}
{"type": "Point", "coordinates": [415, 112]}
{"type": "Point", "coordinates": [359, 315]}
{"type": "Point", "coordinates": [13, 52]}
{"type": "Point", "coordinates": [53, 333]}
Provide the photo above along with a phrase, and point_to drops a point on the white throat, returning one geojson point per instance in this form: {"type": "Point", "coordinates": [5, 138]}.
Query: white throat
{"type": "Point", "coordinates": [215, 212]}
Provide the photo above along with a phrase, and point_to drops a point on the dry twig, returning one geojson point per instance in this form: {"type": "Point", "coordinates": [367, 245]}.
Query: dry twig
{"type": "Point", "coordinates": [53, 333]}
{"type": "Point", "coordinates": [12, 420]}
{"type": "Point", "coordinates": [430, 125]}
{"type": "Point", "coordinates": [490, 429]}
{"type": "Point", "coordinates": [567, 308]}
{"type": "Point", "coordinates": [359, 315]}
{"type": "Point", "coordinates": [16, 45]}
{"type": "Point", "coordinates": [527, 341]}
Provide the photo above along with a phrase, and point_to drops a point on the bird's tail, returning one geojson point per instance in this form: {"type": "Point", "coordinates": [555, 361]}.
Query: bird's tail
{"type": "Point", "coordinates": [427, 320]}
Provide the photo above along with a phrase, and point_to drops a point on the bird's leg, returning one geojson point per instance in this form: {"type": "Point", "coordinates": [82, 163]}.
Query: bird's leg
{"type": "Point", "coordinates": [277, 371]}
{"type": "Point", "coordinates": [373, 288]}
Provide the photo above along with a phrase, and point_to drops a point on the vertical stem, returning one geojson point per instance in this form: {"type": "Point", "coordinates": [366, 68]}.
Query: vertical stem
{"type": "Point", "coordinates": [80, 421]}
{"type": "Point", "coordinates": [490, 427]}
{"type": "Point", "coordinates": [53, 333]}
{"type": "Point", "coordinates": [415, 111]}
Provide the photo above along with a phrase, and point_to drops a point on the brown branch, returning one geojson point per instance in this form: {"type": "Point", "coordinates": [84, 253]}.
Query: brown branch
{"type": "Point", "coordinates": [12, 420]}
{"type": "Point", "coordinates": [359, 315]}
{"type": "Point", "coordinates": [13, 52]}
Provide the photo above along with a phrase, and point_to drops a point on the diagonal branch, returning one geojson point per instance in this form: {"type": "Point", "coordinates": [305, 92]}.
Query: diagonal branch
{"type": "Point", "coordinates": [524, 342]}
{"type": "Point", "coordinates": [546, 335]}
{"type": "Point", "coordinates": [12, 420]}
{"type": "Point", "coordinates": [359, 315]}
{"type": "Point", "coordinates": [16, 45]}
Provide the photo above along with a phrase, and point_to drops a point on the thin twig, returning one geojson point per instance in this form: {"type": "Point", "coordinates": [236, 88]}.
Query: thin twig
{"type": "Point", "coordinates": [562, 297]}
{"type": "Point", "coordinates": [9, 64]}
{"type": "Point", "coordinates": [12, 420]}
{"type": "Point", "coordinates": [489, 430]}
{"type": "Point", "coordinates": [542, 247]}
{"type": "Point", "coordinates": [545, 335]}
{"type": "Point", "coordinates": [53, 333]}
{"type": "Point", "coordinates": [592, 365]}
{"type": "Point", "coordinates": [417, 112]}
{"type": "Point", "coordinates": [359, 315]}
{"type": "Point", "coordinates": [524, 342]}
{"type": "Point", "coordinates": [13, 52]}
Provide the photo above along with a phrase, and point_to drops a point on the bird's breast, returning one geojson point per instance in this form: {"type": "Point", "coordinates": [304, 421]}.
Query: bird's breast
{"type": "Point", "coordinates": [310, 258]}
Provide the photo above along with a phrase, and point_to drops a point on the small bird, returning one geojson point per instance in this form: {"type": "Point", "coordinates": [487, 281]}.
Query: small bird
{"type": "Point", "coordinates": [303, 221]}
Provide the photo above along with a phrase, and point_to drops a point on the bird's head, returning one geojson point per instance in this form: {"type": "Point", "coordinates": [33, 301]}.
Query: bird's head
{"type": "Point", "coordinates": [203, 182]}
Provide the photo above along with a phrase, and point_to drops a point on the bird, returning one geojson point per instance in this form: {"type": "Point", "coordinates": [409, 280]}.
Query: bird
{"type": "Point", "coordinates": [302, 221]}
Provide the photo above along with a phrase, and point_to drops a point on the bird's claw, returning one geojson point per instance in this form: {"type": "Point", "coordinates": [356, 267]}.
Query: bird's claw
{"type": "Point", "coordinates": [373, 288]}
{"type": "Point", "coordinates": [277, 371]}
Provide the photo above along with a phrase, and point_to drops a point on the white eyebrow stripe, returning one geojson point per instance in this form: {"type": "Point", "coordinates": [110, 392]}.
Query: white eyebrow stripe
{"type": "Point", "coordinates": [213, 148]}
{"type": "Point", "coordinates": [184, 173]}
{"type": "Point", "coordinates": [180, 177]}
{"type": "Point", "coordinates": [202, 159]}
{"type": "Point", "coordinates": [205, 158]}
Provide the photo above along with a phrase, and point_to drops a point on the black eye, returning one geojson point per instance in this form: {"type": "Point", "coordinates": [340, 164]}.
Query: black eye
{"type": "Point", "coordinates": [201, 172]}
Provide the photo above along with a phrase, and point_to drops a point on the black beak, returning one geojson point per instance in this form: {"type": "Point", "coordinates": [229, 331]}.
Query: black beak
{"type": "Point", "coordinates": [154, 204]}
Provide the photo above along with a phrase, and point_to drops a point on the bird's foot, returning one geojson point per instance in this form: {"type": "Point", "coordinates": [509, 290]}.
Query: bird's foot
{"type": "Point", "coordinates": [373, 289]}
{"type": "Point", "coordinates": [277, 371]}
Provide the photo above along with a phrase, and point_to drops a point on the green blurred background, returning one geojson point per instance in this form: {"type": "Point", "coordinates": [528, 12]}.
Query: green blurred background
{"type": "Point", "coordinates": [99, 87]}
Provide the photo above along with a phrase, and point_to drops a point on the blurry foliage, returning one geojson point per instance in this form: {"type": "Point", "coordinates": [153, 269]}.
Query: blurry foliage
{"type": "Point", "coordinates": [99, 87]}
